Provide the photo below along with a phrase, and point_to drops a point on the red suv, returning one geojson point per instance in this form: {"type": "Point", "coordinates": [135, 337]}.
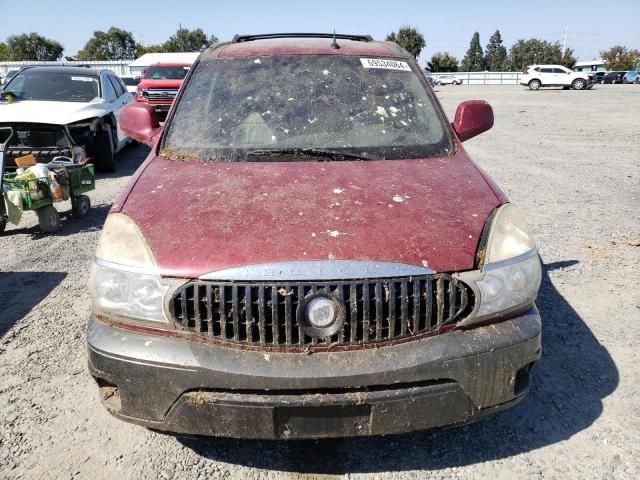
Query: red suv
{"type": "Point", "coordinates": [159, 85]}
{"type": "Point", "coordinates": [308, 251]}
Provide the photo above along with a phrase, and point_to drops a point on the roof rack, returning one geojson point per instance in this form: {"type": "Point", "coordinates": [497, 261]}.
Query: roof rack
{"type": "Point", "coordinates": [341, 36]}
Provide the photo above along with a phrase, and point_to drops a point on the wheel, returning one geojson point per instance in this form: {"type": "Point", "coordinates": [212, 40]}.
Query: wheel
{"type": "Point", "coordinates": [3, 224]}
{"type": "Point", "coordinates": [49, 219]}
{"type": "Point", "coordinates": [637, 80]}
{"type": "Point", "coordinates": [578, 84]}
{"type": "Point", "coordinates": [625, 81]}
{"type": "Point", "coordinates": [439, 83]}
{"type": "Point", "coordinates": [80, 206]}
{"type": "Point", "coordinates": [534, 84]}
{"type": "Point", "coordinates": [104, 155]}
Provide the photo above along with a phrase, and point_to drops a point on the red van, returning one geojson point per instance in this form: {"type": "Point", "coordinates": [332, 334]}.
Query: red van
{"type": "Point", "coordinates": [308, 252]}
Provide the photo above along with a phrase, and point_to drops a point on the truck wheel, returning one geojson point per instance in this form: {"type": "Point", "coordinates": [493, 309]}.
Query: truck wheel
{"type": "Point", "coordinates": [80, 206]}
{"type": "Point", "coordinates": [48, 219]}
{"type": "Point", "coordinates": [534, 84]}
{"type": "Point", "coordinates": [104, 151]}
{"type": "Point", "coordinates": [578, 84]}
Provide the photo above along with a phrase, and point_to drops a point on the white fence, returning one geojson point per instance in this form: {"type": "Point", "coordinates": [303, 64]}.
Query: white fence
{"type": "Point", "coordinates": [484, 78]}
{"type": "Point", "coordinates": [121, 67]}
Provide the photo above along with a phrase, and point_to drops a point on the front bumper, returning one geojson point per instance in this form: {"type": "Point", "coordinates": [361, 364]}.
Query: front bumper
{"type": "Point", "coordinates": [194, 388]}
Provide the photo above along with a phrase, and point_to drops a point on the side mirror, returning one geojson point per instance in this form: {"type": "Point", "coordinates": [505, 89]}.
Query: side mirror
{"type": "Point", "coordinates": [472, 118]}
{"type": "Point", "coordinates": [139, 121]}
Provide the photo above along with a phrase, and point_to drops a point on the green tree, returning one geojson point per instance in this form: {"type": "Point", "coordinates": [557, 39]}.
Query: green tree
{"type": "Point", "coordinates": [33, 47]}
{"type": "Point", "coordinates": [535, 51]}
{"type": "Point", "coordinates": [4, 53]}
{"type": "Point", "coordinates": [495, 55]}
{"type": "Point", "coordinates": [473, 61]}
{"type": "Point", "coordinates": [114, 44]}
{"type": "Point", "coordinates": [408, 38]}
{"type": "Point", "coordinates": [185, 40]}
{"type": "Point", "coordinates": [443, 62]}
{"type": "Point", "coordinates": [620, 58]}
{"type": "Point", "coordinates": [157, 48]}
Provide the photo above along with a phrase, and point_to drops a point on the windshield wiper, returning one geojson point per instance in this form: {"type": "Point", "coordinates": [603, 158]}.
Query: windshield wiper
{"type": "Point", "coordinates": [308, 152]}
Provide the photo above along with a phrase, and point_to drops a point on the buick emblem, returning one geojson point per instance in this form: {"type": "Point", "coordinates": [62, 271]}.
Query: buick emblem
{"type": "Point", "coordinates": [321, 314]}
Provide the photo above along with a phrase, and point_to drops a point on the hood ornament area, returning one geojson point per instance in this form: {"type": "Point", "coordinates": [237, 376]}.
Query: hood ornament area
{"type": "Point", "coordinates": [317, 270]}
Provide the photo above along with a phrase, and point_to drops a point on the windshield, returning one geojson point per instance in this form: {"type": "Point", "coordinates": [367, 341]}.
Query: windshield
{"type": "Point", "coordinates": [247, 109]}
{"type": "Point", "coordinates": [53, 86]}
{"type": "Point", "coordinates": [166, 72]}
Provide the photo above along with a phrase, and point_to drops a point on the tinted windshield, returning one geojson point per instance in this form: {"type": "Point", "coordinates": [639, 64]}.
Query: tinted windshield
{"type": "Point", "coordinates": [53, 86]}
{"type": "Point", "coordinates": [373, 108]}
{"type": "Point", "coordinates": [166, 72]}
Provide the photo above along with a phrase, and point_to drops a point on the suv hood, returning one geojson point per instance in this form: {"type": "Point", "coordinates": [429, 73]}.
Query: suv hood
{"type": "Point", "coordinates": [148, 83]}
{"type": "Point", "coordinates": [200, 217]}
{"type": "Point", "coordinates": [56, 113]}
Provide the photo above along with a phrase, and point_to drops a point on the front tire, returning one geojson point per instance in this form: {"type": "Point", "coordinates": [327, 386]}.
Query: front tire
{"type": "Point", "coordinates": [578, 84]}
{"type": "Point", "coordinates": [534, 84]}
{"type": "Point", "coordinates": [48, 219]}
{"type": "Point", "coordinates": [104, 154]}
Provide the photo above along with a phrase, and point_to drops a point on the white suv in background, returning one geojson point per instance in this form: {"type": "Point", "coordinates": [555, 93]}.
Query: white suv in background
{"type": "Point", "coordinates": [448, 80]}
{"type": "Point", "coordinates": [536, 76]}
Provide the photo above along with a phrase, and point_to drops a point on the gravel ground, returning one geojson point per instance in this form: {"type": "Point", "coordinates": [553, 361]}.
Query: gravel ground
{"type": "Point", "coordinates": [569, 159]}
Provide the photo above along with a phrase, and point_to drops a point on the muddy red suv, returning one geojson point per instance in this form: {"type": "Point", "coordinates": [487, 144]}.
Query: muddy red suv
{"type": "Point", "coordinates": [308, 251]}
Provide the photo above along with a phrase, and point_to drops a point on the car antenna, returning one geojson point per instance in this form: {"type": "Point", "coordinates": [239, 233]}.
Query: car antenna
{"type": "Point", "coordinates": [334, 44]}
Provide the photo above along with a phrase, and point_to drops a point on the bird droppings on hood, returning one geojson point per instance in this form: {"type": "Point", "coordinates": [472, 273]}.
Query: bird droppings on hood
{"type": "Point", "coordinates": [338, 190]}
{"type": "Point", "coordinates": [257, 60]}
{"type": "Point", "coordinates": [394, 111]}
{"type": "Point", "coordinates": [331, 256]}
{"type": "Point", "coordinates": [267, 357]}
{"type": "Point", "coordinates": [326, 72]}
{"type": "Point", "coordinates": [312, 120]}
{"type": "Point", "coordinates": [425, 263]}
{"type": "Point", "coordinates": [313, 234]}
{"type": "Point", "coordinates": [268, 112]}
{"type": "Point", "coordinates": [381, 111]}
{"type": "Point", "coordinates": [334, 233]}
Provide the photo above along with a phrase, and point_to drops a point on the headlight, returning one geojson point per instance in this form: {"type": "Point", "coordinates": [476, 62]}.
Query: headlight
{"type": "Point", "coordinates": [124, 281]}
{"type": "Point", "coordinates": [510, 277]}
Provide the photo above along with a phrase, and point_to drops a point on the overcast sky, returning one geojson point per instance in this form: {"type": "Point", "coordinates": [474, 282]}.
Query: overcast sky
{"type": "Point", "coordinates": [594, 25]}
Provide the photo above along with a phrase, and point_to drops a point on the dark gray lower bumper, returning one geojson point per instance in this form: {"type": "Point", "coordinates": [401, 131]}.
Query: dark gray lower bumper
{"type": "Point", "coordinates": [194, 388]}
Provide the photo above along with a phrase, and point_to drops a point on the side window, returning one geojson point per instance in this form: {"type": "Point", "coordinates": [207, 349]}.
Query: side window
{"type": "Point", "coordinates": [109, 93]}
{"type": "Point", "coordinates": [546, 70]}
{"type": "Point", "coordinates": [559, 70]}
{"type": "Point", "coordinates": [116, 86]}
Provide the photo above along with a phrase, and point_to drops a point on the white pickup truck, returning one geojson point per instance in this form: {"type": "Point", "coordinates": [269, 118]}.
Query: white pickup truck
{"type": "Point", "coordinates": [536, 76]}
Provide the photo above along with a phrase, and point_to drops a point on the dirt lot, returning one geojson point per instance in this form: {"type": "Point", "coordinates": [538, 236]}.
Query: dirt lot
{"type": "Point", "coordinates": [571, 160]}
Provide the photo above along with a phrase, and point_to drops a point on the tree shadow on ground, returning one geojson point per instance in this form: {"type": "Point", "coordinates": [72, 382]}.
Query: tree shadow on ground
{"type": "Point", "coordinates": [575, 373]}
{"type": "Point", "coordinates": [21, 291]}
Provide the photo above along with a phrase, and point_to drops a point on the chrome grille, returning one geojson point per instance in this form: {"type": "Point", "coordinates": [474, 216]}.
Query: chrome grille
{"type": "Point", "coordinates": [264, 314]}
{"type": "Point", "coordinates": [158, 94]}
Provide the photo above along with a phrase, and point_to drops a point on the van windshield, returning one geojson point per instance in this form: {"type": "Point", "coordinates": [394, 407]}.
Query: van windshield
{"type": "Point", "coordinates": [274, 107]}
